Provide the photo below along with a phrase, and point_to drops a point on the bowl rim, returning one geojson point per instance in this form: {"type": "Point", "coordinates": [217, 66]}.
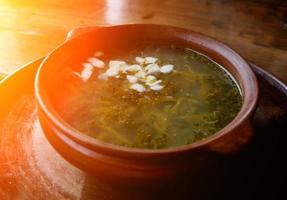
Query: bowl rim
{"type": "Point", "coordinates": [246, 110]}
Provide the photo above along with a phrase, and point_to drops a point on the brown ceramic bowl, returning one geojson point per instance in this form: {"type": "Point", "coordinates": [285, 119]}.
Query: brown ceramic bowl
{"type": "Point", "coordinates": [119, 163]}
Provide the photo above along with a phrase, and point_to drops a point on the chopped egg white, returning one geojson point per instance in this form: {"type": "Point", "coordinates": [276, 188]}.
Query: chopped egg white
{"type": "Point", "coordinates": [96, 62]}
{"type": "Point", "coordinates": [156, 87]}
{"type": "Point", "coordinates": [141, 74]}
{"type": "Point", "coordinates": [132, 79]}
{"type": "Point", "coordinates": [140, 60]}
{"type": "Point", "coordinates": [166, 69]}
{"type": "Point", "coordinates": [154, 82]}
{"type": "Point", "coordinates": [138, 87]}
{"type": "Point", "coordinates": [116, 64]}
{"type": "Point", "coordinates": [86, 73]}
{"type": "Point", "coordinates": [134, 68]}
{"type": "Point", "coordinates": [152, 68]}
{"type": "Point", "coordinates": [150, 78]}
{"type": "Point", "coordinates": [124, 68]}
{"type": "Point", "coordinates": [150, 60]}
{"type": "Point", "coordinates": [88, 66]}
{"type": "Point", "coordinates": [115, 67]}
{"type": "Point", "coordinates": [113, 71]}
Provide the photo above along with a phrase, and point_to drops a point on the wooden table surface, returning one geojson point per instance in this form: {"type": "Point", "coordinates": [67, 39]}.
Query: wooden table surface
{"type": "Point", "coordinates": [257, 29]}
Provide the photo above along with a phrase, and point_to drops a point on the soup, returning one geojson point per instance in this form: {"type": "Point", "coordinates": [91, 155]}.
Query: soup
{"type": "Point", "coordinates": [153, 97]}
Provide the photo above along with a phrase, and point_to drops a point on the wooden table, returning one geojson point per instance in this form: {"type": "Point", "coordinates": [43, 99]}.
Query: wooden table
{"type": "Point", "coordinates": [257, 29]}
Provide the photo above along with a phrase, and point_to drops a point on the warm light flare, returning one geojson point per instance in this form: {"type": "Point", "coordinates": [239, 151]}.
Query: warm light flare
{"type": "Point", "coordinates": [114, 13]}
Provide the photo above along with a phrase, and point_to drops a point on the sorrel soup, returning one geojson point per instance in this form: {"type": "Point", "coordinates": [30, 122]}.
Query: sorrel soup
{"type": "Point", "coordinates": [152, 97]}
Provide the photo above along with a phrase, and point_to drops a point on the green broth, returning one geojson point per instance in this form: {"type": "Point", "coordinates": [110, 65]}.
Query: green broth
{"type": "Point", "coordinates": [198, 99]}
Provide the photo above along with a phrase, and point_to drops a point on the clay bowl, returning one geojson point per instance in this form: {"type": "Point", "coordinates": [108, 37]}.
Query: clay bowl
{"type": "Point", "coordinates": [117, 163]}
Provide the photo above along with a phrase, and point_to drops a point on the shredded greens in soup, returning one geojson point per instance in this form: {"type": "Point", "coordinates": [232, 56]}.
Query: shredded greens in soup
{"type": "Point", "coordinates": [154, 97]}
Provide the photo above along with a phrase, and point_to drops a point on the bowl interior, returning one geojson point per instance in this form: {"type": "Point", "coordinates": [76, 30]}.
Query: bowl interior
{"type": "Point", "coordinates": [70, 56]}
